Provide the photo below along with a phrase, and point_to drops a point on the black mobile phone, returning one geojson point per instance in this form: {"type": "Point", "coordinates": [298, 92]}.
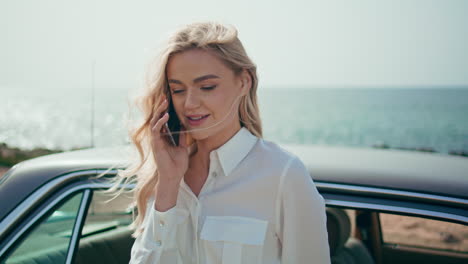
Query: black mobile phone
{"type": "Point", "coordinates": [172, 125]}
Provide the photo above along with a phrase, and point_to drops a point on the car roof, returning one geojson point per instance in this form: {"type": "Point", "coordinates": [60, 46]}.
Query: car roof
{"type": "Point", "coordinates": [423, 172]}
{"type": "Point", "coordinates": [27, 176]}
{"type": "Point", "coordinates": [394, 169]}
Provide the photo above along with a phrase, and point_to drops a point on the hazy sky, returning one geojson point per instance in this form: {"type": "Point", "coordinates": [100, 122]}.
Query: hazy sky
{"type": "Point", "coordinates": [52, 43]}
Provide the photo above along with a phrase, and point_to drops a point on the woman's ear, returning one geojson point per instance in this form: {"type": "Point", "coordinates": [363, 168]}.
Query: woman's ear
{"type": "Point", "coordinates": [246, 80]}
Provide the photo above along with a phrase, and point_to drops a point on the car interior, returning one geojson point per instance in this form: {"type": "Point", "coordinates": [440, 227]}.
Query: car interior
{"type": "Point", "coordinates": [114, 246]}
{"type": "Point", "coordinates": [343, 247]}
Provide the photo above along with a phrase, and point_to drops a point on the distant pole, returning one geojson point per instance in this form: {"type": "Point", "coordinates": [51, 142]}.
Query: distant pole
{"type": "Point", "coordinates": [92, 103]}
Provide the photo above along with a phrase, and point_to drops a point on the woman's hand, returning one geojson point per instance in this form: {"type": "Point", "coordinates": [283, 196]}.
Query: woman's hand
{"type": "Point", "coordinates": [171, 161]}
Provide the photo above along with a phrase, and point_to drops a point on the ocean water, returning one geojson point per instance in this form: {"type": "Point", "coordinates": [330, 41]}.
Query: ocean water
{"type": "Point", "coordinates": [434, 118]}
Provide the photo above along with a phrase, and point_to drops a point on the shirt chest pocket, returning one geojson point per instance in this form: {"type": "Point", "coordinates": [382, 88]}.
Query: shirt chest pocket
{"type": "Point", "coordinates": [235, 239]}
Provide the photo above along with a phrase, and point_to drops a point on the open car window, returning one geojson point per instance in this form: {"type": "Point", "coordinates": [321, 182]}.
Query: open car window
{"type": "Point", "coordinates": [423, 233]}
{"type": "Point", "coordinates": [106, 236]}
{"type": "Point", "coordinates": [48, 242]}
{"type": "Point", "coordinates": [106, 213]}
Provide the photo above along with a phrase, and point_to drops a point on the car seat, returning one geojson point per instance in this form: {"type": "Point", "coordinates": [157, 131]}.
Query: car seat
{"type": "Point", "coordinates": [343, 248]}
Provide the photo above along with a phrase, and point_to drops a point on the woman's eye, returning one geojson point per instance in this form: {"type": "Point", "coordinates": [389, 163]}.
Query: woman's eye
{"type": "Point", "coordinates": [207, 88]}
{"type": "Point", "coordinates": [177, 91]}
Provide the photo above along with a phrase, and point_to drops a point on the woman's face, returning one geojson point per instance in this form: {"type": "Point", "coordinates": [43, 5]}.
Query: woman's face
{"type": "Point", "coordinates": [205, 93]}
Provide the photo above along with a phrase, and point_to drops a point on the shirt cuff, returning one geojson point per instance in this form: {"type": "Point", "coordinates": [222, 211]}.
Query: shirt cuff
{"type": "Point", "coordinates": [162, 226]}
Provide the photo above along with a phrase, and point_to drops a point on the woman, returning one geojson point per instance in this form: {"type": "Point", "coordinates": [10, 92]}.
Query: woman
{"type": "Point", "coordinates": [222, 194]}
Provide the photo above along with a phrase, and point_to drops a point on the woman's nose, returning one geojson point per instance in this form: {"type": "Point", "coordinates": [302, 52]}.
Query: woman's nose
{"type": "Point", "coordinates": [192, 100]}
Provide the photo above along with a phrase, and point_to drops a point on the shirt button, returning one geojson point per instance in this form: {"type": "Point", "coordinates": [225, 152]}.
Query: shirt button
{"type": "Point", "coordinates": [161, 223]}
{"type": "Point", "coordinates": [214, 174]}
{"type": "Point", "coordinates": [158, 243]}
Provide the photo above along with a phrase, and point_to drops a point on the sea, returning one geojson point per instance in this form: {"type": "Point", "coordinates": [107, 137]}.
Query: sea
{"type": "Point", "coordinates": [416, 118]}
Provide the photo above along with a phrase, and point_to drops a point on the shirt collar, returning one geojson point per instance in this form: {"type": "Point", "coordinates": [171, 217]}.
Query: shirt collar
{"type": "Point", "coordinates": [231, 153]}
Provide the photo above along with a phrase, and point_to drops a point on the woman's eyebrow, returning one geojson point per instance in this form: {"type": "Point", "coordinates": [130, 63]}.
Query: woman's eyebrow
{"type": "Point", "coordinates": [196, 80]}
{"type": "Point", "coordinates": [205, 77]}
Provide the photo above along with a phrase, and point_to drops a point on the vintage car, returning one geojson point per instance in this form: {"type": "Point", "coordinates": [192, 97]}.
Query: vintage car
{"type": "Point", "coordinates": [383, 206]}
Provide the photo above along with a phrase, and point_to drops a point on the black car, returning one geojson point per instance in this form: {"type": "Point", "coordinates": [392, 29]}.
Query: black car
{"type": "Point", "coordinates": [383, 206]}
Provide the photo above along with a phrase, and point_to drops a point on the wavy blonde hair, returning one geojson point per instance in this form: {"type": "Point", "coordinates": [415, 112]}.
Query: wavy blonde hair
{"type": "Point", "coordinates": [222, 41]}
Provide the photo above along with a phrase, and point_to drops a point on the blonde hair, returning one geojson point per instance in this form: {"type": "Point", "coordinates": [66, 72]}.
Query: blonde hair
{"type": "Point", "coordinates": [222, 41]}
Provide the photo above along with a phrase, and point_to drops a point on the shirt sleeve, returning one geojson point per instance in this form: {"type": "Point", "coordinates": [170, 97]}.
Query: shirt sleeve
{"type": "Point", "coordinates": [302, 217]}
{"type": "Point", "coordinates": [158, 241]}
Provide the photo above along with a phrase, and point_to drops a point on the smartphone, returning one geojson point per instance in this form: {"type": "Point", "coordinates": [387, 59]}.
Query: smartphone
{"type": "Point", "coordinates": [172, 125]}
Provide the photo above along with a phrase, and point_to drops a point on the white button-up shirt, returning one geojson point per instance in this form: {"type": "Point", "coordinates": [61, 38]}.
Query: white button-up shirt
{"type": "Point", "coordinates": [258, 205]}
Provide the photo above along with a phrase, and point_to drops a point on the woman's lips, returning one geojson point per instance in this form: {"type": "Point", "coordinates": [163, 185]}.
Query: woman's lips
{"type": "Point", "coordinates": [196, 122]}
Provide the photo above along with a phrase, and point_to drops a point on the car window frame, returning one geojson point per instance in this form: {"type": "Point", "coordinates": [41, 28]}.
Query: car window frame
{"type": "Point", "coordinates": [376, 200]}
{"type": "Point", "coordinates": [92, 185]}
{"type": "Point", "coordinates": [38, 215]}
{"type": "Point", "coordinates": [31, 211]}
{"type": "Point", "coordinates": [394, 201]}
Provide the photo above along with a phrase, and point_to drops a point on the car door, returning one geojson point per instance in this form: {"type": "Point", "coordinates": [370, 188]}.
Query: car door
{"type": "Point", "coordinates": [50, 233]}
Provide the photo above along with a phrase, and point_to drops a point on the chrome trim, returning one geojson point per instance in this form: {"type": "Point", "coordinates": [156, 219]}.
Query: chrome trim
{"type": "Point", "coordinates": [78, 222]}
{"type": "Point", "coordinates": [387, 192]}
{"type": "Point", "coordinates": [21, 209]}
{"type": "Point", "coordinates": [399, 209]}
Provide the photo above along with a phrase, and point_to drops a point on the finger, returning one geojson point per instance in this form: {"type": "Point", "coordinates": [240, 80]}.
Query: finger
{"type": "Point", "coordinates": [157, 127]}
{"type": "Point", "coordinates": [158, 103]}
{"type": "Point", "coordinates": [160, 122]}
{"type": "Point", "coordinates": [157, 114]}
{"type": "Point", "coordinates": [161, 108]}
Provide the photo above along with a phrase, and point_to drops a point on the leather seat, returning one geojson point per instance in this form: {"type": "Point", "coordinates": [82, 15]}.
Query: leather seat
{"type": "Point", "coordinates": [109, 247]}
{"type": "Point", "coordinates": [343, 248]}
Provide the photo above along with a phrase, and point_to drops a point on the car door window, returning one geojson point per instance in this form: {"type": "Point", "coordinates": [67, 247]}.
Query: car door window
{"type": "Point", "coordinates": [49, 240]}
{"type": "Point", "coordinates": [106, 236]}
{"type": "Point", "coordinates": [107, 212]}
{"type": "Point", "coordinates": [425, 233]}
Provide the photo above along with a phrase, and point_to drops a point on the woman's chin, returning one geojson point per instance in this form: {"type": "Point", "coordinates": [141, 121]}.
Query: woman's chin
{"type": "Point", "coordinates": [208, 131]}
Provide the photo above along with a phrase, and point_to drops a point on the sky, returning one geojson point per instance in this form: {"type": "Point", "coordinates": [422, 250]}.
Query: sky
{"type": "Point", "coordinates": [53, 44]}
